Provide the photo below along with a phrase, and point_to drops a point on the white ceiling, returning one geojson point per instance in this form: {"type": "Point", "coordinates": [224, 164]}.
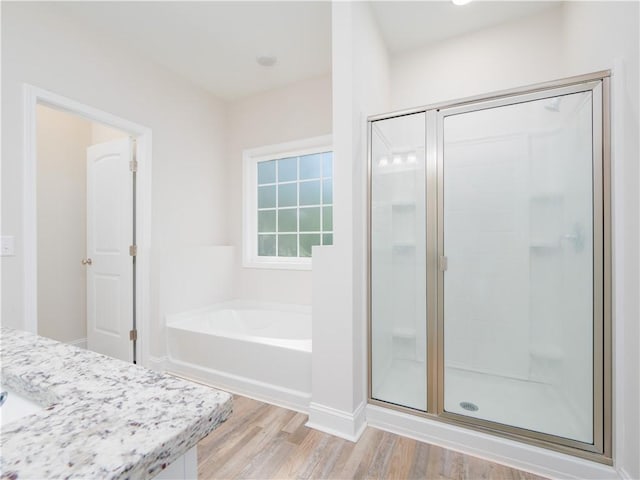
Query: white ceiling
{"type": "Point", "coordinates": [214, 44]}
{"type": "Point", "coordinates": [407, 25]}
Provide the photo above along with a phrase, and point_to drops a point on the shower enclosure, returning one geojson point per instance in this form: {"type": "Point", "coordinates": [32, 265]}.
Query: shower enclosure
{"type": "Point", "coordinates": [489, 264]}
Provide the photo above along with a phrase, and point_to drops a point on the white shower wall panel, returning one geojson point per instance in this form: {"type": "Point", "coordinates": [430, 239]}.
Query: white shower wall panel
{"type": "Point", "coordinates": [487, 235]}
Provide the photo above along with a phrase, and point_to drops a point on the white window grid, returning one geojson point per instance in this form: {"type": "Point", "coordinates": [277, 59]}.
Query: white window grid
{"type": "Point", "coordinates": [296, 207]}
{"type": "Point", "coordinates": [251, 240]}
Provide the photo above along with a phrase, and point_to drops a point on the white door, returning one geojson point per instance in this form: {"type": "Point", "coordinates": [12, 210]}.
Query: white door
{"type": "Point", "coordinates": [109, 236]}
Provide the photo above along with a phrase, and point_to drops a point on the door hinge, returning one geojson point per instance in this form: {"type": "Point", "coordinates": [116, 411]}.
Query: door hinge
{"type": "Point", "coordinates": [133, 250]}
{"type": "Point", "coordinates": [443, 263]}
{"type": "Point", "coordinates": [133, 165]}
{"type": "Point", "coordinates": [133, 335]}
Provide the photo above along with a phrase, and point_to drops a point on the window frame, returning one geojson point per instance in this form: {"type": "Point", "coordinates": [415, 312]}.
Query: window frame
{"type": "Point", "coordinates": [251, 157]}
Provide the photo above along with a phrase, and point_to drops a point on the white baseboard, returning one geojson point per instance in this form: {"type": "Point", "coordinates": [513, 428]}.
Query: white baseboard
{"type": "Point", "coordinates": [496, 449]}
{"type": "Point", "coordinates": [80, 343]}
{"type": "Point", "coordinates": [275, 395]}
{"type": "Point", "coordinates": [159, 364]}
{"type": "Point", "coordinates": [347, 425]}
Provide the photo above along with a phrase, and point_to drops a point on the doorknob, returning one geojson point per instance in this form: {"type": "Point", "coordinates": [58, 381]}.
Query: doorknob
{"type": "Point", "coordinates": [87, 261]}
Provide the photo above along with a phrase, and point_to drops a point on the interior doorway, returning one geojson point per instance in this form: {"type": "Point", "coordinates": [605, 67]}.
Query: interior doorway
{"type": "Point", "coordinates": [86, 227]}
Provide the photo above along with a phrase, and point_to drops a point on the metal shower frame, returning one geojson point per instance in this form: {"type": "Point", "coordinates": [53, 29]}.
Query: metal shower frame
{"type": "Point", "coordinates": [599, 84]}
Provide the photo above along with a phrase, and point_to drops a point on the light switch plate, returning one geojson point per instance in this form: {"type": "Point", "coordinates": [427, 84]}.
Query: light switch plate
{"type": "Point", "coordinates": [7, 246]}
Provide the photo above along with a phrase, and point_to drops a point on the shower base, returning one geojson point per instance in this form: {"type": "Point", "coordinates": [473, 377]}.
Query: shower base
{"type": "Point", "coordinates": [399, 385]}
{"type": "Point", "coordinates": [531, 405]}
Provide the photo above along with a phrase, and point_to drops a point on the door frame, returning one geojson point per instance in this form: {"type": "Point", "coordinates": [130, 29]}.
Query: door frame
{"type": "Point", "coordinates": [33, 96]}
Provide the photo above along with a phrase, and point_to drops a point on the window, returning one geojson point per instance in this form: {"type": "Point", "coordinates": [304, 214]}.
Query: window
{"type": "Point", "coordinates": [288, 203]}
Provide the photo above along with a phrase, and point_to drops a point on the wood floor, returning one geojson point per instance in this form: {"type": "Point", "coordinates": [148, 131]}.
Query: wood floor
{"type": "Point", "coordinates": [262, 441]}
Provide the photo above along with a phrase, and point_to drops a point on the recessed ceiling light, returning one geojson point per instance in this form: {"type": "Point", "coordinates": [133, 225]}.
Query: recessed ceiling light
{"type": "Point", "coordinates": [267, 60]}
{"type": "Point", "coordinates": [460, 2]}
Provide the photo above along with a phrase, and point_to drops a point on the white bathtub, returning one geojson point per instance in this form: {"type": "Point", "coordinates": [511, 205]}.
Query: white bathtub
{"type": "Point", "coordinates": [260, 350]}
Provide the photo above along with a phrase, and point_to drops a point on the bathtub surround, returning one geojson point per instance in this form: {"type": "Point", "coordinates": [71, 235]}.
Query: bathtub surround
{"type": "Point", "coordinates": [103, 418]}
{"type": "Point", "coordinates": [262, 350]}
{"type": "Point", "coordinates": [192, 278]}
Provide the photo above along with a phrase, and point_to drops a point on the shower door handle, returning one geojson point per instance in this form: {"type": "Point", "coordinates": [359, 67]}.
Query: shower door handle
{"type": "Point", "coordinates": [87, 261]}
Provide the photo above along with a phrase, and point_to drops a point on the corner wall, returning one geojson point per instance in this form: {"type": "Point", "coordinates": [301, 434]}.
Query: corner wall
{"type": "Point", "coordinates": [360, 88]}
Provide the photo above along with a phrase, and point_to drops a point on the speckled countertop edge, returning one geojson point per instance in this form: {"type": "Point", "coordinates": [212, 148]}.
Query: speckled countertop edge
{"type": "Point", "coordinates": [103, 418]}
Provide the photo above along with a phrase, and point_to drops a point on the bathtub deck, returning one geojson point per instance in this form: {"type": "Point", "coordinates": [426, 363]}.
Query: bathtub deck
{"type": "Point", "coordinates": [263, 441]}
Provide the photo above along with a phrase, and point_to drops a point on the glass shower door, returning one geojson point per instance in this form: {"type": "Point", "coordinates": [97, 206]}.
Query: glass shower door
{"type": "Point", "coordinates": [397, 261]}
{"type": "Point", "coordinates": [517, 234]}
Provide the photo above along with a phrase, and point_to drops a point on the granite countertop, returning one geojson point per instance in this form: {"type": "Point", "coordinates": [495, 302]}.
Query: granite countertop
{"type": "Point", "coordinates": [104, 418]}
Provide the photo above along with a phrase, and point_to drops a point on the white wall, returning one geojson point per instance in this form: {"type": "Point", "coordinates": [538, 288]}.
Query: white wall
{"type": "Point", "coordinates": [189, 187]}
{"type": "Point", "coordinates": [296, 112]}
{"type": "Point", "coordinates": [575, 38]}
{"type": "Point", "coordinates": [370, 90]}
{"type": "Point", "coordinates": [62, 141]}
{"type": "Point", "coordinates": [360, 88]}
{"type": "Point", "coordinates": [605, 35]}
{"type": "Point", "coordinates": [200, 276]}
{"type": "Point", "coordinates": [511, 54]}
